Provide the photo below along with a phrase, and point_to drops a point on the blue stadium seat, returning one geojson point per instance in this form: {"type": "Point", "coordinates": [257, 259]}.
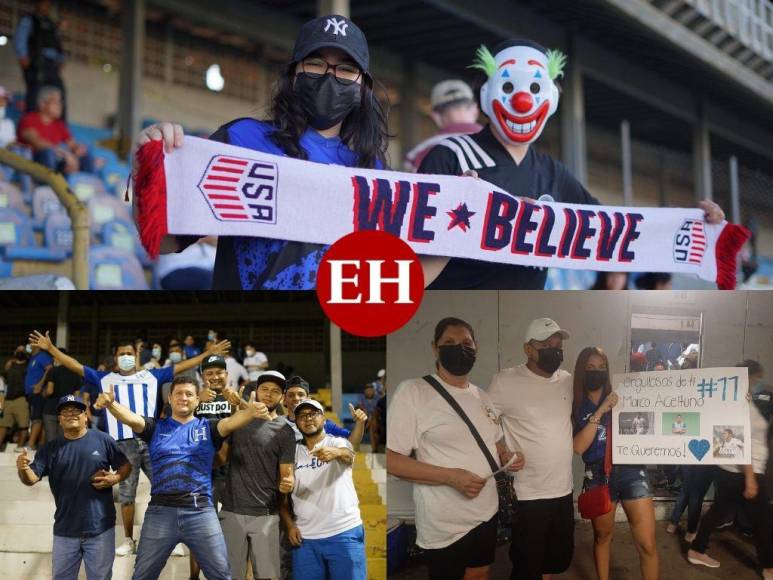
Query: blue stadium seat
{"type": "Point", "coordinates": [17, 240]}
{"type": "Point", "coordinates": [114, 174]}
{"type": "Point", "coordinates": [11, 197]}
{"type": "Point", "coordinates": [115, 269]}
{"type": "Point", "coordinates": [44, 203]}
{"type": "Point", "coordinates": [57, 232]}
{"type": "Point", "coordinates": [121, 233]}
{"type": "Point", "coordinates": [86, 186]}
{"type": "Point", "coordinates": [106, 208]}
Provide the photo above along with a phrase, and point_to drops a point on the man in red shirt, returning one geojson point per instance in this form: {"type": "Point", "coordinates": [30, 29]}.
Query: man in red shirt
{"type": "Point", "coordinates": [454, 111]}
{"type": "Point", "coordinates": [50, 139]}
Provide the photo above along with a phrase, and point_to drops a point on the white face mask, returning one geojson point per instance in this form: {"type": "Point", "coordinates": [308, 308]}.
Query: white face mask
{"type": "Point", "coordinates": [156, 353]}
{"type": "Point", "coordinates": [175, 357]}
{"type": "Point", "coordinates": [2, 112]}
{"type": "Point", "coordinates": [249, 352]}
{"type": "Point", "coordinates": [28, 348]}
{"type": "Point", "coordinates": [126, 362]}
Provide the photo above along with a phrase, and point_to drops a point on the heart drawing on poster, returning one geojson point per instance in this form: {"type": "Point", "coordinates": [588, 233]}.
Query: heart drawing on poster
{"type": "Point", "coordinates": [699, 447]}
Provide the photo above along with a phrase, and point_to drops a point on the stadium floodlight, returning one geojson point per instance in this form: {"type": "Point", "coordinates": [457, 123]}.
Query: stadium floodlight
{"type": "Point", "coordinates": [3, 40]}
{"type": "Point", "coordinates": [215, 80]}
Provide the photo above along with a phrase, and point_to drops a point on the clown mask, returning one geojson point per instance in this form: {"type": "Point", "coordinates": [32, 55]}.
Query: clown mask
{"type": "Point", "coordinates": [520, 93]}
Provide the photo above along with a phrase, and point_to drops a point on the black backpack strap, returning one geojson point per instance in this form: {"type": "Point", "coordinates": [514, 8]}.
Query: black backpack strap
{"type": "Point", "coordinates": [455, 406]}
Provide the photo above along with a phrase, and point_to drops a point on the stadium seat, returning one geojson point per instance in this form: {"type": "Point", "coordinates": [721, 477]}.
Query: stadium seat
{"type": "Point", "coordinates": [17, 240]}
{"type": "Point", "coordinates": [57, 232]}
{"type": "Point", "coordinates": [44, 203]}
{"type": "Point", "coordinates": [11, 197]}
{"type": "Point", "coordinates": [123, 234]}
{"type": "Point", "coordinates": [115, 269]}
{"type": "Point", "coordinates": [86, 186]}
{"type": "Point", "coordinates": [114, 174]}
{"type": "Point", "coordinates": [105, 208]}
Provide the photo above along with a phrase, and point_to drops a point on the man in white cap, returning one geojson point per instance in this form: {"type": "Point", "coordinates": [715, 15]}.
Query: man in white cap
{"type": "Point", "coordinates": [534, 401]}
{"type": "Point", "coordinates": [454, 111]}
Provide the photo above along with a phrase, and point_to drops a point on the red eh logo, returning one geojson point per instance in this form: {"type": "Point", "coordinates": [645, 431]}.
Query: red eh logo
{"type": "Point", "coordinates": [239, 189]}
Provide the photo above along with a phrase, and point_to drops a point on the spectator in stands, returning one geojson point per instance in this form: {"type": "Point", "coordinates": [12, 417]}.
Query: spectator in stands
{"type": "Point", "coordinates": [368, 399]}
{"type": "Point", "coordinates": [155, 357]}
{"type": "Point", "coordinates": [190, 269]}
{"type": "Point", "coordinates": [261, 468]}
{"type": "Point", "coordinates": [176, 353]}
{"type": "Point", "coordinates": [61, 382]}
{"type": "Point", "coordinates": [237, 374]}
{"type": "Point", "coordinates": [79, 467]}
{"type": "Point", "coordinates": [190, 349]}
{"type": "Point", "coordinates": [182, 448]}
{"type": "Point", "coordinates": [50, 138]}
{"type": "Point", "coordinates": [611, 281]}
{"type": "Point", "coordinates": [454, 111]}
{"type": "Point", "coordinates": [654, 281]}
{"type": "Point", "coordinates": [39, 50]}
{"type": "Point", "coordinates": [254, 361]}
{"type": "Point", "coordinates": [16, 411]}
{"type": "Point", "coordinates": [7, 128]}
{"type": "Point", "coordinates": [40, 362]}
{"type": "Point", "coordinates": [324, 110]}
{"type": "Point", "coordinates": [380, 383]}
{"type": "Point", "coordinates": [325, 525]}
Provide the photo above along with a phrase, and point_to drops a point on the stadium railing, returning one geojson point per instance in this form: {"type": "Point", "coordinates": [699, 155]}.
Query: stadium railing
{"type": "Point", "coordinates": [78, 212]}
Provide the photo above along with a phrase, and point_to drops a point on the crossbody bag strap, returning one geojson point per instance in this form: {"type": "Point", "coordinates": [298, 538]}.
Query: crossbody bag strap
{"type": "Point", "coordinates": [608, 450]}
{"type": "Point", "coordinates": [455, 406]}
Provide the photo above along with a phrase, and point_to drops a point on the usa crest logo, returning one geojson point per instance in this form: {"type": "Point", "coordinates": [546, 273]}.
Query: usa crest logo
{"type": "Point", "coordinates": [690, 243]}
{"type": "Point", "coordinates": [239, 189]}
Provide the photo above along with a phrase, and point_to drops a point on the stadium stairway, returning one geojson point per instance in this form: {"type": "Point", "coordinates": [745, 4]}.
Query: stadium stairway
{"type": "Point", "coordinates": [27, 515]}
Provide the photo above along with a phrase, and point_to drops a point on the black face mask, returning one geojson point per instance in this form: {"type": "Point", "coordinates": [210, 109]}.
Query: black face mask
{"type": "Point", "coordinates": [594, 380]}
{"type": "Point", "coordinates": [456, 359]}
{"type": "Point", "coordinates": [325, 100]}
{"type": "Point", "coordinates": [550, 359]}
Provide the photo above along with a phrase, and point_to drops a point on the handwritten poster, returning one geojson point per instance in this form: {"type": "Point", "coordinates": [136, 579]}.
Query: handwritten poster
{"type": "Point", "coordinates": [683, 417]}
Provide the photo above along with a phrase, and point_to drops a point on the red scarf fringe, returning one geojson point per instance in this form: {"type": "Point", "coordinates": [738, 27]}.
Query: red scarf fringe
{"type": "Point", "coordinates": [150, 196]}
{"type": "Point", "coordinates": [730, 242]}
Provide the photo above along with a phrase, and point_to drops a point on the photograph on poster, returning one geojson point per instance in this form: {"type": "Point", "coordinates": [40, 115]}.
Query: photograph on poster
{"type": "Point", "coordinates": [681, 424]}
{"type": "Point", "coordinates": [636, 424]}
{"type": "Point", "coordinates": [728, 441]}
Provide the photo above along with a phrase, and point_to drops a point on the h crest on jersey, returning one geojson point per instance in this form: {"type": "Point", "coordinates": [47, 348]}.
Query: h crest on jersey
{"type": "Point", "coordinates": [239, 189]}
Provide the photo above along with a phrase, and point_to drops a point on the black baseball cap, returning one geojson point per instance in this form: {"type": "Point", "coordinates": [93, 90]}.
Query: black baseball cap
{"type": "Point", "coordinates": [213, 360]}
{"type": "Point", "coordinates": [297, 381]}
{"type": "Point", "coordinates": [333, 31]}
{"type": "Point", "coordinates": [70, 400]}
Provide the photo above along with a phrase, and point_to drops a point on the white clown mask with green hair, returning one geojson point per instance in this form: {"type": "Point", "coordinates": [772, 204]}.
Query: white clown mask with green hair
{"type": "Point", "coordinates": [520, 93]}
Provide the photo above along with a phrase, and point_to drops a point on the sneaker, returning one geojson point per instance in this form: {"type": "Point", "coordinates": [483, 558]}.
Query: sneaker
{"type": "Point", "coordinates": [689, 537]}
{"type": "Point", "coordinates": [671, 528]}
{"type": "Point", "coordinates": [178, 550]}
{"type": "Point", "coordinates": [126, 548]}
{"type": "Point", "coordinates": [726, 524]}
{"type": "Point", "coordinates": [694, 557]}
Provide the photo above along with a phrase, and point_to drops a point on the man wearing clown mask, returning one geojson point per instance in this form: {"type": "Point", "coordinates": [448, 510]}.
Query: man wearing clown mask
{"type": "Point", "coordinates": [518, 96]}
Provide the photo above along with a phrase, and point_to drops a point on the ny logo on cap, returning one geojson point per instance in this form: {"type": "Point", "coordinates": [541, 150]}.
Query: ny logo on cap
{"type": "Point", "coordinates": [338, 26]}
{"type": "Point", "coordinates": [70, 398]}
{"type": "Point", "coordinates": [213, 357]}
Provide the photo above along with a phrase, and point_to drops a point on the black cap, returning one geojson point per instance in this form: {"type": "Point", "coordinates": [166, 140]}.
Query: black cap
{"type": "Point", "coordinates": [297, 381]}
{"type": "Point", "coordinates": [332, 31]}
{"type": "Point", "coordinates": [70, 400]}
{"type": "Point", "coordinates": [213, 360]}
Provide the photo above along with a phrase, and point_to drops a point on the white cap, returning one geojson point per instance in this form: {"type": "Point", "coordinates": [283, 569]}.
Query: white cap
{"type": "Point", "coordinates": [542, 329]}
{"type": "Point", "coordinates": [309, 403]}
{"type": "Point", "coordinates": [380, 374]}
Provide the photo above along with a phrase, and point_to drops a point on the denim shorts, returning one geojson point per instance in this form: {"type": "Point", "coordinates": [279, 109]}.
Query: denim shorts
{"type": "Point", "coordinates": [625, 481]}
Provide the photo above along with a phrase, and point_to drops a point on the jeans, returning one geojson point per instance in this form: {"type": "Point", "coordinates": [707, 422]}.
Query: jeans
{"type": "Point", "coordinates": [696, 480]}
{"type": "Point", "coordinates": [48, 158]}
{"type": "Point", "coordinates": [96, 552]}
{"type": "Point", "coordinates": [165, 527]}
{"type": "Point", "coordinates": [341, 557]}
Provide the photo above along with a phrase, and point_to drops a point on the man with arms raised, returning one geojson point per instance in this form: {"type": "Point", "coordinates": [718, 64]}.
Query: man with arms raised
{"type": "Point", "coordinates": [140, 390]}
{"type": "Point", "coordinates": [182, 449]}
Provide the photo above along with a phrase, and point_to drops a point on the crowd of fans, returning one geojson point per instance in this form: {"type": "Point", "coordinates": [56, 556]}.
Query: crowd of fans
{"type": "Point", "coordinates": [267, 453]}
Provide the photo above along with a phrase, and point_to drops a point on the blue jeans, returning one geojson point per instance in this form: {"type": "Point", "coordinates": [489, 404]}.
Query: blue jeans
{"type": "Point", "coordinates": [696, 480]}
{"type": "Point", "coordinates": [96, 552]}
{"type": "Point", "coordinates": [48, 158]}
{"type": "Point", "coordinates": [165, 527]}
{"type": "Point", "coordinates": [341, 557]}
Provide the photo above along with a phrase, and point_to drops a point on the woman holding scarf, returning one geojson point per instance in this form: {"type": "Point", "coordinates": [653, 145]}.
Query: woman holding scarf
{"type": "Point", "coordinates": [325, 110]}
{"type": "Point", "coordinates": [593, 402]}
{"type": "Point", "coordinates": [429, 444]}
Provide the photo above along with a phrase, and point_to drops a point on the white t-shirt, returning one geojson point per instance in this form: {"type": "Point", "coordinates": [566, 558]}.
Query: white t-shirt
{"type": "Point", "coordinates": [253, 364]}
{"type": "Point", "coordinates": [759, 444]}
{"type": "Point", "coordinates": [7, 132]}
{"type": "Point", "coordinates": [420, 419]}
{"type": "Point", "coordinates": [324, 499]}
{"type": "Point", "coordinates": [535, 413]}
{"type": "Point", "coordinates": [235, 372]}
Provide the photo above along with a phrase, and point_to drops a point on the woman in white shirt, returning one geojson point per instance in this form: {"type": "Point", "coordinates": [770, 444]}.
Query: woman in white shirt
{"type": "Point", "coordinates": [456, 503]}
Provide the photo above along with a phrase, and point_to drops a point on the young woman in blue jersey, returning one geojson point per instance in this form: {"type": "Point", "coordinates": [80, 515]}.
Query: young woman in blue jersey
{"type": "Point", "coordinates": [325, 110]}
{"type": "Point", "coordinates": [591, 414]}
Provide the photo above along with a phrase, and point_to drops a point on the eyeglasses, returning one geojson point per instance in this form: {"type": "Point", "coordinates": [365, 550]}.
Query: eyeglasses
{"type": "Point", "coordinates": [308, 416]}
{"type": "Point", "coordinates": [344, 73]}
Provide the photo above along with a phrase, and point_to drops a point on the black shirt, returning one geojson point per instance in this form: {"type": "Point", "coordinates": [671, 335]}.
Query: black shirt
{"type": "Point", "coordinates": [14, 378]}
{"type": "Point", "coordinates": [65, 382]}
{"type": "Point", "coordinates": [538, 174]}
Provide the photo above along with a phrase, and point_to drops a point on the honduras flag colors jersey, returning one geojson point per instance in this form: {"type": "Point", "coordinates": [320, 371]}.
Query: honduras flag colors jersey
{"type": "Point", "coordinates": [140, 392]}
{"type": "Point", "coordinates": [181, 456]}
